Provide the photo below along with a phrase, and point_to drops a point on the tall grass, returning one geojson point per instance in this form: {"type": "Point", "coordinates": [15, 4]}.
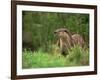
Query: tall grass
{"type": "Point", "coordinates": [77, 56]}
{"type": "Point", "coordinates": [40, 59]}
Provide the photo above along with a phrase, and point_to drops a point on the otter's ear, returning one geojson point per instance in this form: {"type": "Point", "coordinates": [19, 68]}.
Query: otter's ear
{"type": "Point", "coordinates": [65, 30]}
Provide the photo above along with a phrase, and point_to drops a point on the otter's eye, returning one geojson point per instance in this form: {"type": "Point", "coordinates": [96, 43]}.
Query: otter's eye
{"type": "Point", "coordinates": [55, 32]}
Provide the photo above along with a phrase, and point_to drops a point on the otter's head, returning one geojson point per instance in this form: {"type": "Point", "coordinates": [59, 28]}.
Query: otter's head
{"type": "Point", "coordinates": [60, 32]}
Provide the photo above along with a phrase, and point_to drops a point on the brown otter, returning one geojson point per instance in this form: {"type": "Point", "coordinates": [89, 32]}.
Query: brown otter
{"type": "Point", "coordinates": [66, 40]}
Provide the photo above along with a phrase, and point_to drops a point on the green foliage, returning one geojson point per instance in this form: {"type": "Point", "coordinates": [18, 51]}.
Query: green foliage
{"type": "Point", "coordinates": [39, 49]}
{"type": "Point", "coordinates": [42, 25]}
{"type": "Point", "coordinates": [78, 56]}
{"type": "Point", "coordinates": [40, 59]}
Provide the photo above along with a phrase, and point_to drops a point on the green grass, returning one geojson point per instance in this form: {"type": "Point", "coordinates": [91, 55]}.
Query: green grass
{"type": "Point", "coordinates": [40, 59]}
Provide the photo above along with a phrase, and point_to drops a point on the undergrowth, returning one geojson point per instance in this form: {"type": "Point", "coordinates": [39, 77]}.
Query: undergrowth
{"type": "Point", "coordinates": [39, 59]}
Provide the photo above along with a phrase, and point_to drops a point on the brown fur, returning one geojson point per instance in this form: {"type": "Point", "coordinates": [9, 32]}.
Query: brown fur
{"type": "Point", "coordinates": [66, 40]}
{"type": "Point", "coordinates": [78, 40]}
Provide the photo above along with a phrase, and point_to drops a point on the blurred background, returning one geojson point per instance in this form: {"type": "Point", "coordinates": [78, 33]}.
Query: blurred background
{"type": "Point", "coordinates": [38, 27]}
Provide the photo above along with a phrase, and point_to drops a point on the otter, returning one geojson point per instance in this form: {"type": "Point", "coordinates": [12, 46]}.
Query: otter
{"type": "Point", "coordinates": [66, 40]}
